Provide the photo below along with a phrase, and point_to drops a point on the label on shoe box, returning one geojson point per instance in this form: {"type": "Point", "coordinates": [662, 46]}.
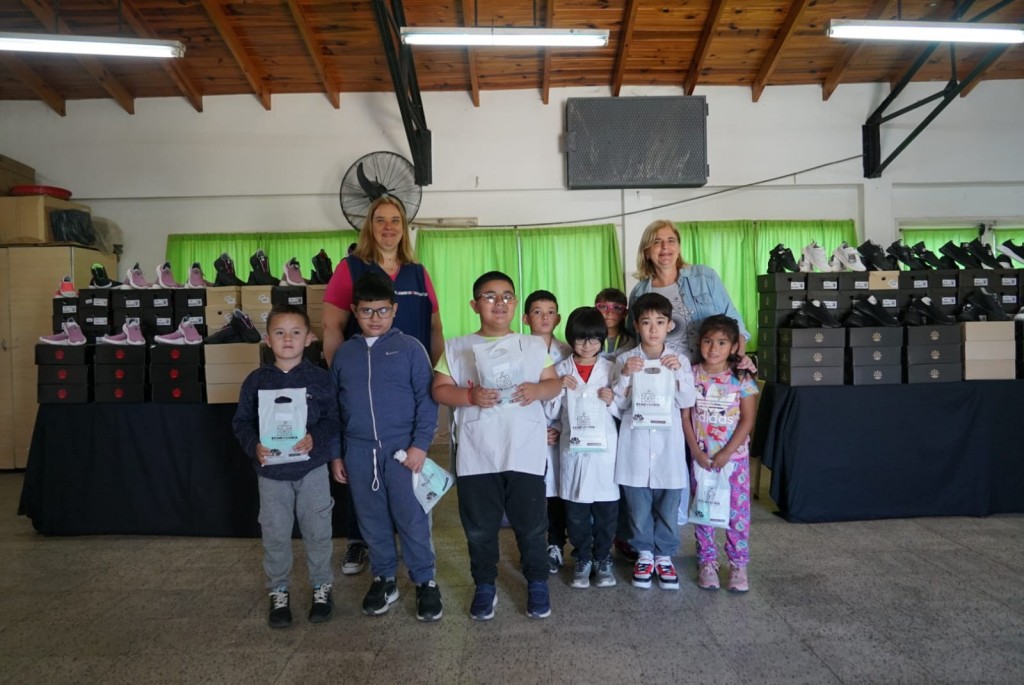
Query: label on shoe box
{"type": "Point", "coordinates": [256, 296]}
{"type": "Point", "coordinates": [933, 335]}
{"type": "Point", "coordinates": [913, 280]}
{"type": "Point", "coordinates": [176, 393]}
{"type": "Point", "coordinates": [876, 375]}
{"type": "Point", "coordinates": [854, 280]}
{"type": "Point", "coordinates": [989, 369]}
{"type": "Point", "coordinates": [222, 295]}
{"type": "Point", "coordinates": [875, 356]}
{"type": "Point", "coordinates": [288, 294]}
{"type": "Point", "coordinates": [187, 298]}
{"type": "Point", "coordinates": [944, 299]}
{"type": "Point", "coordinates": [812, 337]}
{"type": "Point", "coordinates": [128, 393]}
{"type": "Point", "coordinates": [767, 337]}
{"type": "Point", "coordinates": [173, 373]}
{"type": "Point", "coordinates": [817, 281]}
{"type": "Point", "coordinates": [175, 354]}
{"type": "Point", "coordinates": [64, 393]}
{"type": "Point", "coordinates": [934, 373]}
{"type": "Point", "coordinates": [232, 353]}
{"type": "Point", "coordinates": [811, 375]}
{"type": "Point", "coordinates": [977, 278]}
{"type": "Point", "coordinates": [63, 354]}
{"type": "Point", "coordinates": [120, 354]}
{"type": "Point", "coordinates": [987, 350]}
{"type": "Point", "coordinates": [889, 299]}
{"type": "Point", "coordinates": [831, 300]}
{"type": "Point", "coordinates": [131, 299]}
{"type": "Point", "coordinates": [781, 300]}
{"type": "Point", "coordinates": [197, 316]}
{"type": "Point", "coordinates": [64, 306]}
{"type": "Point", "coordinates": [766, 283]}
{"type": "Point", "coordinates": [120, 373]}
{"type": "Point", "coordinates": [883, 280]}
{"type": "Point", "coordinates": [94, 297]}
{"type": "Point", "coordinates": [875, 336]}
{"type": "Point", "coordinates": [64, 374]}
{"type": "Point", "coordinates": [811, 356]}
{"type": "Point", "coordinates": [931, 354]}
{"type": "Point", "coordinates": [986, 330]}
{"type": "Point", "coordinates": [768, 318]}
{"type": "Point", "coordinates": [162, 298]}
{"type": "Point", "coordinates": [223, 393]}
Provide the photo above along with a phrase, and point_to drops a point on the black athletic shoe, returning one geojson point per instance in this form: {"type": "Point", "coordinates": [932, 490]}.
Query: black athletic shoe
{"type": "Point", "coordinates": [857, 320]}
{"type": "Point", "coordinates": [968, 312]}
{"type": "Point", "coordinates": [322, 607]}
{"type": "Point", "coordinates": [1015, 252]}
{"type": "Point", "coordinates": [224, 336]}
{"type": "Point", "coordinates": [872, 310]}
{"type": "Point", "coordinates": [260, 274]}
{"type": "Point", "coordinates": [922, 311]}
{"type": "Point", "coordinates": [784, 258]}
{"type": "Point", "coordinates": [903, 254]}
{"type": "Point", "coordinates": [242, 325]}
{"type": "Point", "coordinates": [280, 615]}
{"type": "Point", "coordinates": [961, 255]}
{"type": "Point", "coordinates": [931, 259]}
{"type": "Point", "coordinates": [225, 268]}
{"type": "Point", "coordinates": [428, 602]}
{"type": "Point", "coordinates": [987, 305]}
{"type": "Point", "coordinates": [983, 253]}
{"type": "Point", "coordinates": [382, 594]}
{"type": "Point", "coordinates": [874, 257]}
{"type": "Point", "coordinates": [773, 265]}
{"type": "Point", "coordinates": [322, 269]}
{"type": "Point", "coordinates": [813, 315]}
{"type": "Point", "coordinates": [99, 277]}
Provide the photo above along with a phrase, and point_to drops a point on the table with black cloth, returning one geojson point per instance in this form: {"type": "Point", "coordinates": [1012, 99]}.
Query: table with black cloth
{"type": "Point", "coordinates": [143, 469]}
{"type": "Point", "coordinates": [867, 452]}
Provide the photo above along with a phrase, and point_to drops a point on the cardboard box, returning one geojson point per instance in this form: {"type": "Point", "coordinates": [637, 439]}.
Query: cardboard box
{"type": "Point", "coordinates": [119, 393]}
{"type": "Point", "coordinates": [14, 173]}
{"type": "Point", "coordinates": [812, 337]}
{"type": "Point", "coordinates": [875, 336]}
{"type": "Point", "coordinates": [173, 373]}
{"type": "Point", "coordinates": [984, 350]}
{"type": "Point", "coordinates": [875, 356]}
{"type": "Point", "coordinates": [223, 393]}
{"type": "Point", "coordinates": [934, 373]}
{"type": "Point", "coordinates": [63, 354]}
{"type": "Point", "coordinates": [217, 316]}
{"type": "Point", "coordinates": [932, 354]}
{"type": "Point", "coordinates": [933, 335]}
{"type": "Point", "coordinates": [256, 296]}
{"type": "Point", "coordinates": [990, 369]}
{"type": "Point", "coordinates": [228, 373]}
{"type": "Point", "coordinates": [883, 280]}
{"type": "Point", "coordinates": [875, 375]}
{"type": "Point", "coordinates": [232, 353]}
{"type": "Point", "coordinates": [59, 374]}
{"type": "Point", "coordinates": [315, 293]}
{"type": "Point", "coordinates": [766, 283]}
{"type": "Point", "coordinates": [315, 311]}
{"type": "Point", "coordinates": [986, 330]}
{"type": "Point", "coordinates": [121, 374]}
{"type": "Point", "coordinates": [224, 295]}
{"type": "Point", "coordinates": [27, 219]}
{"type": "Point", "coordinates": [811, 375]}
{"type": "Point", "coordinates": [176, 393]}
{"type": "Point", "coordinates": [811, 356]}
{"type": "Point", "coordinates": [50, 393]}
{"type": "Point", "coordinates": [120, 354]}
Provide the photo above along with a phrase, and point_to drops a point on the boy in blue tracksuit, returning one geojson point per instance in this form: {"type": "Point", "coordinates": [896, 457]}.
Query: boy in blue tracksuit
{"type": "Point", "coordinates": [384, 379]}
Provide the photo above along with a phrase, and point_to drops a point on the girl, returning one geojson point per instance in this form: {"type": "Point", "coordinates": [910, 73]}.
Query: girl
{"type": "Point", "coordinates": [717, 431]}
{"type": "Point", "coordinates": [587, 476]}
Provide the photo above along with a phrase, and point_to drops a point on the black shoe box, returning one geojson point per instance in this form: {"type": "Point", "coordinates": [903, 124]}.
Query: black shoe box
{"type": "Point", "coordinates": [784, 282]}
{"type": "Point", "coordinates": [875, 336]}
{"type": "Point", "coordinates": [854, 280]}
{"type": "Point", "coordinates": [818, 281]}
{"type": "Point", "coordinates": [120, 354]}
{"type": "Point", "coordinates": [875, 356]}
{"type": "Point", "coordinates": [176, 354]}
{"type": "Point", "coordinates": [781, 300]}
{"type": "Point", "coordinates": [126, 393]}
{"type": "Point", "coordinates": [811, 375]}
{"type": "Point", "coordinates": [889, 299]}
{"type": "Point", "coordinates": [157, 318]}
{"type": "Point", "coordinates": [63, 393]}
{"type": "Point", "coordinates": [57, 322]}
{"type": "Point", "coordinates": [903, 297]}
{"type": "Point", "coordinates": [946, 300]}
{"type": "Point", "coordinates": [65, 306]}
{"type": "Point", "coordinates": [773, 318]}
{"type": "Point", "coordinates": [174, 373]}
{"type": "Point", "coordinates": [811, 356]}
{"type": "Point", "coordinates": [162, 299]}
{"type": "Point", "coordinates": [933, 335]}
{"type": "Point", "coordinates": [95, 297]}
{"type": "Point", "coordinates": [64, 374]}
{"type": "Point", "coordinates": [93, 316]}
{"type": "Point", "coordinates": [288, 294]}
{"type": "Point", "coordinates": [767, 354]}
{"type": "Point", "coordinates": [767, 337]}
{"type": "Point", "coordinates": [987, 278]}
{"type": "Point", "coordinates": [197, 314]}
{"type": "Point", "coordinates": [176, 393]}
{"type": "Point", "coordinates": [127, 374]}
{"type": "Point", "coordinates": [812, 337]}
{"type": "Point", "coordinates": [766, 371]}
{"type": "Point", "coordinates": [934, 373]}
{"type": "Point", "coordinates": [188, 298]}
{"type": "Point", "coordinates": [130, 298]}
{"type": "Point", "coordinates": [915, 280]}
{"type": "Point", "coordinates": [932, 354]}
{"type": "Point", "coordinates": [63, 354]}
{"type": "Point", "coordinates": [1010, 302]}
{"type": "Point", "coordinates": [875, 375]}
{"type": "Point", "coordinates": [832, 300]}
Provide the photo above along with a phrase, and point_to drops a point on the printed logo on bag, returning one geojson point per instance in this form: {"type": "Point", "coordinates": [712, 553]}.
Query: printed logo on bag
{"type": "Point", "coordinates": [574, 441]}
{"type": "Point", "coordinates": [648, 397]}
{"type": "Point", "coordinates": [817, 357]}
{"type": "Point", "coordinates": [876, 355]}
{"type": "Point", "coordinates": [583, 421]}
{"type": "Point", "coordinates": [933, 373]}
{"type": "Point", "coordinates": [876, 337]}
{"type": "Point", "coordinates": [284, 429]}
{"type": "Point", "coordinates": [638, 418]}
{"type": "Point", "coordinates": [934, 335]}
{"type": "Point", "coordinates": [877, 375]}
{"type": "Point", "coordinates": [817, 376]}
{"type": "Point", "coordinates": [503, 380]}
{"type": "Point", "coordinates": [819, 337]}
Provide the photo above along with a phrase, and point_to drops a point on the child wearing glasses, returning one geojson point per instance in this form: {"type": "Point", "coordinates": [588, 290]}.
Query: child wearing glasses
{"type": "Point", "coordinates": [384, 379]}
{"type": "Point", "coordinates": [611, 302]}
{"type": "Point", "coordinates": [495, 380]}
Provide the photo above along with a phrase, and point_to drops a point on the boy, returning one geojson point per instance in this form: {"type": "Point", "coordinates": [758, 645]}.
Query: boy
{"type": "Point", "coordinates": [501, 453]}
{"type": "Point", "coordinates": [384, 379]}
{"type": "Point", "coordinates": [540, 313]}
{"type": "Point", "coordinates": [297, 488]}
{"type": "Point", "coordinates": [650, 463]}
{"type": "Point", "coordinates": [611, 302]}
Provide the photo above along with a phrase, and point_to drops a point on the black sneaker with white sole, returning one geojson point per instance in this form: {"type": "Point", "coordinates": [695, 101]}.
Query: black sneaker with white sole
{"type": "Point", "coordinates": [322, 606]}
{"type": "Point", "coordinates": [381, 595]}
{"type": "Point", "coordinates": [355, 558]}
{"type": "Point", "coordinates": [1015, 252]}
{"type": "Point", "coordinates": [280, 615]}
{"type": "Point", "coordinates": [428, 602]}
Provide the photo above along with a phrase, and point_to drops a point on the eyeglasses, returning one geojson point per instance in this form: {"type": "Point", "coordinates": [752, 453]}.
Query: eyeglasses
{"type": "Point", "coordinates": [368, 312]}
{"type": "Point", "coordinates": [491, 298]}
{"type": "Point", "coordinates": [587, 341]}
{"type": "Point", "coordinates": [605, 307]}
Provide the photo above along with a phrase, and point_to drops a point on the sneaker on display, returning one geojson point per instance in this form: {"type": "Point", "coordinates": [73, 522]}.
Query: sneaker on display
{"type": "Point", "coordinates": [130, 334]}
{"type": "Point", "coordinates": [165, 277]}
{"type": "Point", "coordinates": [280, 614]}
{"type": "Point", "coordinates": [225, 269]}
{"type": "Point", "coordinates": [707, 576]}
{"type": "Point", "coordinates": [538, 601]}
{"type": "Point", "coordinates": [555, 559]}
{"type": "Point", "coordinates": [961, 255]}
{"type": "Point", "coordinates": [292, 273]}
{"type": "Point", "coordinates": [196, 278]}
{"type": "Point", "coordinates": [922, 311]}
{"type": "Point", "coordinates": [135, 279]}
{"type": "Point", "coordinates": [987, 305]}
{"type": "Point", "coordinates": [246, 332]}
{"type": "Point", "coordinates": [356, 552]}
{"type": "Point", "coordinates": [485, 598]}
{"type": "Point", "coordinates": [1015, 252]}
{"type": "Point", "coordinates": [983, 253]}
{"type": "Point", "coordinates": [185, 335]}
{"type": "Point", "coordinates": [874, 257]}
{"type": "Point", "coordinates": [66, 288]}
{"type": "Point", "coordinates": [643, 570]}
{"type": "Point", "coordinates": [322, 606]}
{"type": "Point", "coordinates": [667, 577]}
{"type": "Point", "coordinates": [847, 258]}
{"type": "Point", "coordinates": [581, 573]}
{"type": "Point", "coordinates": [428, 602]}
{"type": "Point", "coordinates": [382, 594]}
{"type": "Point", "coordinates": [322, 268]}
{"type": "Point", "coordinates": [99, 277]}
{"type": "Point", "coordinates": [930, 258]}
{"type": "Point", "coordinates": [71, 334]}
{"type": "Point", "coordinates": [784, 258]}
{"type": "Point", "coordinates": [260, 274]}
{"type": "Point", "coordinates": [815, 255]}
{"type": "Point", "coordinates": [871, 309]}
{"type": "Point", "coordinates": [805, 265]}
{"type": "Point", "coordinates": [603, 575]}
{"type": "Point", "coordinates": [738, 579]}
{"type": "Point", "coordinates": [905, 255]}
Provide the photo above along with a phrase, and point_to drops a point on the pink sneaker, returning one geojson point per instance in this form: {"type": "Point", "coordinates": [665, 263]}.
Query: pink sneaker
{"type": "Point", "coordinates": [135, 279]}
{"type": "Point", "coordinates": [66, 288]}
{"type": "Point", "coordinates": [738, 579]}
{"type": "Point", "coordinates": [196, 278]}
{"type": "Point", "coordinates": [707, 578]}
{"type": "Point", "coordinates": [292, 273]}
{"type": "Point", "coordinates": [70, 334]}
{"type": "Point", "coordinates": [131, 335]}
{"type": "Point", "coordinates": [185, 335]}
{"type": "Point", "coordinates": [165, 277]}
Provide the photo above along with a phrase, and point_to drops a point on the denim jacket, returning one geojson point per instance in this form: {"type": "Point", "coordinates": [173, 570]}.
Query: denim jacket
{"type": "Point", "coordinates": [702, 292]}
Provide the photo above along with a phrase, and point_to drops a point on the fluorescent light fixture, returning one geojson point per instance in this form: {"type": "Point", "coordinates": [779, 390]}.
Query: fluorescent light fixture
{"type": "Point", "coordinates": [90, 45]}
{"type": "Point", "coordinates": [504, 37]}
{"type": "Point", "coordinates": [927, 31]}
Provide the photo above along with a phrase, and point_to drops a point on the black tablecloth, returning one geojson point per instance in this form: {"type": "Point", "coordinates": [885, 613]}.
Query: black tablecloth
{"type": "Point", "coordinates": [894, 451]}
{"type": "Point", "coordinates": [147, 469]}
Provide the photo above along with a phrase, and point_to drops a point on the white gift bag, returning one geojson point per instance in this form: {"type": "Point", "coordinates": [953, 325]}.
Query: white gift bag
{"type": "Point", "coordinates": [711, 502]}
{"type": "Point", "coordinates": [430, 484]}
{"type": "Point", "coordinates": [587, 416]}
{"type": "Point", "coordinates": [653, 396]}
{"type": "Point", "coordinates": [282, 416]}
{"type": "Point", "coordinates": [500, 365]}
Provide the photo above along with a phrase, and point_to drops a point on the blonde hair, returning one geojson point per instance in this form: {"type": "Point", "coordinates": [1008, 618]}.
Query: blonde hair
{"type": "Point", "coordinates": [644, 268]}
{"type": "Point", "coordinates": [366, 246]}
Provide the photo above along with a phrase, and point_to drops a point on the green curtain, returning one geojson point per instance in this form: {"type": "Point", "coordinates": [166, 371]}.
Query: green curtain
{"type": "Point", "coordinates": [185, 249]}
{"type": "Point", "coordinates": [1001, 234]}
{"type": "Point", "coordinates": [934, 238]}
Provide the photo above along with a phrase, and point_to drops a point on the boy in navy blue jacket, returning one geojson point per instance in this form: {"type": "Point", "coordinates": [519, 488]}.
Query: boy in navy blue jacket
{"type": "Point", "coordinates": [384, 379]}
{"type": "Point", "coordinates": [299, 488]}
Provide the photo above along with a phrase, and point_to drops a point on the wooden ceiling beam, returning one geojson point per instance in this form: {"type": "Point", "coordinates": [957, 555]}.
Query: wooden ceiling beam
{"type": "Point", "coordinates": [313, 48]}
{"type": "Point", "coordinates": [981, 76]}
{"type": "Point", "coordinates": [30, 78]}
{"type": "Point", "coordinates": [703, 46]}
{"type": "Point", "coordinates": [545, 86]}
{"type": "Point", "coordinates": [772, 59]}
{"type": "Point", "coordinates": [220, 20]}
{"type": "Point", "coordinates": [47, 17]}
{"type": "Point", "coordinates": [474, 77]}
{"type": "Point", "coordinates": [174, 68]}
{"type": "Point", "coordinates": [625, 40]}
{"type": "Point", "coordinates": [835, 76]}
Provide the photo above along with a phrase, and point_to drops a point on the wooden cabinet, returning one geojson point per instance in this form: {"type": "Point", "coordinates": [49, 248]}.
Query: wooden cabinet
{"type": "Point", "coordinates": [29, 276]}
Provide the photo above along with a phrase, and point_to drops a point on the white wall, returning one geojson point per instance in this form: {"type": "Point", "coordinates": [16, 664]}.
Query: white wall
{"type": "Point", "coordinates": [237, 167]}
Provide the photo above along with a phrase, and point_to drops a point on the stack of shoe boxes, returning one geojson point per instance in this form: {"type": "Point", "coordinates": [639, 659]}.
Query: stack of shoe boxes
{"type": "Point", "coordinates": [1002, 284]}
{"type": "Point", "coordinates": [64, 374]}
{"type": "Point", "coordinates": [154, 310]}
{"type": "Point", "coordinates": [940, 286]}
{"type": "Point", "coordinates": [66, 309]}
{"type": "Point", "coordinates": [932, 354]}
{"type": "Point", "coordinates": [811, 356]}
{"type": "Point", "coordinates": [191, 303]}
{"type": "Point", "coordinates": [226, 368]}
{"type": "Point", "coordinates": [988, 350]}
{"type": "Point", "coordinates": [174, 374]}
{"type": "Point", "coordinates": [221, 301]}
{"type": "Point", "coordinates": [315, 308]}
{"type": "Point", "coordinates": [874, 355]}
{"type": "Point", "coordinates": [93, 312]}
{"type": "Point", "coordinates": [258, 300]}
{"type": "Point", "coordinates": [119, 372]}
{"type": "Point", "coordinates": [778, 296]}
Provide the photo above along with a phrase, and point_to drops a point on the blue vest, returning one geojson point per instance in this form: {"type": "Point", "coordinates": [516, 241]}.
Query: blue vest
{"type": "Point", "coordinates": [413, 317]}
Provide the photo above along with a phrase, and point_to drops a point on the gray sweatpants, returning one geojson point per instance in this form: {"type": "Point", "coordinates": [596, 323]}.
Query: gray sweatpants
{"type": "Point", "coordinates": [281, 502]}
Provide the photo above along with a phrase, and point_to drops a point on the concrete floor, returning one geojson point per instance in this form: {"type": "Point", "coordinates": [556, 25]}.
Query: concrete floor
{"type": "Point", "coordinates": [901, 601]}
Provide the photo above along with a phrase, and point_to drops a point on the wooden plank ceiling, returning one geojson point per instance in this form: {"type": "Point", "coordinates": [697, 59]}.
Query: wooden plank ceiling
{"type": "Point", "coordinates": [270, 47]}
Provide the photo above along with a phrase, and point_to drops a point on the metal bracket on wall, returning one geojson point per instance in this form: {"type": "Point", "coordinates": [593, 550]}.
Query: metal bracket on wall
{"type": "Point", "coordinates": [407, 89]}
{"type": "Point", "coordinates": [874, 165]}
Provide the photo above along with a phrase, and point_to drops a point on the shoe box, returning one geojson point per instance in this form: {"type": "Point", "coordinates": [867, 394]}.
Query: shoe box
{"type": "Point", "coordinates": [875, 336]}
{"type": "Point", "coordinates": [93, 312]}
{"type": "Point", "coordinates": [766, 318]}
{"type": "Point", "coordinates": [65, 307]}
{"type": "Point", "coordinates": [874, 355]}
{"type": "Point", "coordinates": [223, 296]}
{"type": "Point", "coordinates": [269, 295]}
{"type": "Point", "coordinates": [883, 280]}
{"type": "Point", "coordinates": [989, 349]}
{"type": "Point", "coordinates": [197, 316]}
{"type": "Point", "coordinates": [175, 374]}
{"type": "Point", "coordinates": [855, 280]}
{"type": "Point", "coordinates": [766, 283]}
{"type": "Point", "coordinates": [932, 354]}
{"type": "Point", "coordinates": [934, 373]}
{"type": "Point", "coordinates": [810, 356]}
{"type": "Point", "coordinates": [879, 355]}
{"type": "Point", "coordinates": [987, 330]}
{"type": "Point", "coordinates": [314, 352]}
{"type": "Point", "coordinates": [822, 281]}
{"type": "Point", "coordinates": [782, 300]}
{"type": "Point", "coordinates": [933, 335]}
{"type": "Point", "coordinates": [315, 307]}
{"type": "Point", "coordinates": [889, 299]}
{"type": "Point", "coordinates": [176, 393]}
{"type": "Point", "coordinates": [989, 369]}
{"type": "Point", "coordinates": [216, 317]}
{"type": "Point", "coordinates": [766, 357]}
{"type": "Point", "coordinates": [812, 337]}
{"type": "Point", "coordinates": [190, 302]}
{"type": "Point", "coordinates": [67, 355]}
{"type": "Point", "coordinates": [832, 300]}
{"type": "Point", "coordinates": [119, 373]}
{"type": "Point", "coordinates": [946, 300]}
{"type": "Point", "coordinates": [811, 375]}
{"type": "Point", "coordinates": [925, 280]}
{"type": "Point", "coordinates": [63, 374]}
{"type": "Point", "coordinates": [226, 366]}
{"type": "Point", "coordinates": [875, 375]}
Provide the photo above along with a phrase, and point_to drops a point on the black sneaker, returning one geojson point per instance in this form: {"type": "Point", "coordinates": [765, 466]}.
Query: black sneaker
{"type": "Point", "coordinates": [983, 253]}
{"type": "Point", "coordinates": [871, 309]}
{"type": "Point", "coordinates": [280, 615]}
{"type": "Point", "coordinates": [922, 311]}
{"type": "Point", "coordinates": [903, 254]}
{"type": "Point", "coordinates": [428, 602]}
{"type": "Point", "coordinates": [242, 325]}
{"type": "Point", "coordinates": [784, 258]}
{"type": "Point", "coordinates": [355, 558]}
{"type": "Point", "coordinates": [874, 257]}
{"type": "Point", "coordinates": [1012, 251]}
{"type": "Point", "coordinates": [987, 305]}
{"type": "Point", "coordinates": [774, 267]}
{"type": "Point", "coordinates": [225, 269]}
{"type": "Point", "coordinates": [960, 255]}
{"type": "Point", "coordinates": [813, 315]}
{"type": "Point", "coordinates": [322, 269]}
{"type": "Point", "coordinates": [538, 601]}
{"type": "Point", "coordinates": [260, 274]}
{"type": "Point", "coordinates": [224, 336]}
{"type": "Point", "coordinates": [930, 258]}
{"type": "Point", "coordinates": [382, 593]}
{"type": "Point", "coordinates": [99, 277]}
{"type": "Point", "coordinates": [323, 604]}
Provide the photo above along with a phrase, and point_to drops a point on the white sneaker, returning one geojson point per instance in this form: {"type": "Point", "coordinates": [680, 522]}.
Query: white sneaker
{"type": "Point", "coordinates": [805, 265]}
{"type": "Point", "coordinates": [848, 258]}
{"type": "Point", "coordinates": [815, 254]}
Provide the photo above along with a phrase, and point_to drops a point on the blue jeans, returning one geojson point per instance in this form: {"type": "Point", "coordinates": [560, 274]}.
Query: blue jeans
{"type": "Point", "coordinates": [652, 519]}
